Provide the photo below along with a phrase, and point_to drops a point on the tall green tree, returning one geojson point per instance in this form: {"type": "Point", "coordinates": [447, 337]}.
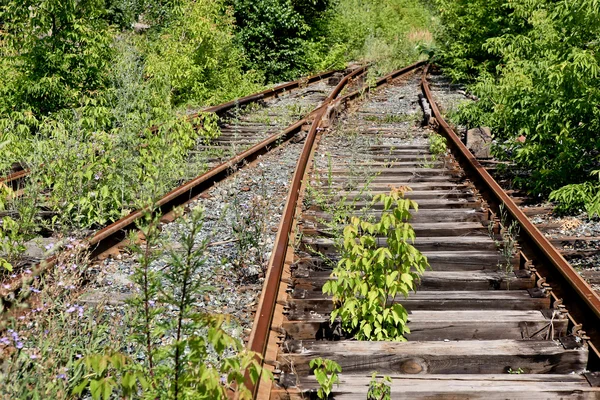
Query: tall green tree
{"type": "Point", "coordinates": [274, 34]}
{"type": "Point", "coordinates": [60, 48]}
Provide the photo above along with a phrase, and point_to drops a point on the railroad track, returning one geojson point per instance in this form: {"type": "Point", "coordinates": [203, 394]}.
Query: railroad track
{"type": "Point", "coordinates": [484, 323]}
{"type": "Point", "coordinates": [247, 135]}
{"type": "Point", "coordinates": [239, 127]}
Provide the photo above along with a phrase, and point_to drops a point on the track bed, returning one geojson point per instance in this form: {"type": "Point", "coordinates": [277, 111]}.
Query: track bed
{"type": "Point", "coordinates": [476, 316]}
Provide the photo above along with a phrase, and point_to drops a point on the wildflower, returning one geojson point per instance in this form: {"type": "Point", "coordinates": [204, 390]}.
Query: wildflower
{"type": "Point", "coordinates": [34, 290]}
{"type": "Point", "coordinates": [151, 303]}
{"type": "Point", "coordinates": [6, 286]}
{"type": "Point", "coordinates": [19, 345]}
{"type": "Point", "coordinates": [97, 176]}
{"type": "Point", "coordinates": [70, 310]}
{"type": "Point", "coordinates": [61, 376]}
{"type": "Point", "coordinates": [49, 246]}
{"type": "Point", "coordinates": [33, 356]}
{"type": "Point", "coordinates": [4, 340]}
{"type": "Point", "coordinates": [27, 271]}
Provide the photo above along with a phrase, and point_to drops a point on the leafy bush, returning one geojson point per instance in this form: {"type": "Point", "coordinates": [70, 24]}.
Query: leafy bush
{"type": "Point", "coordinates": [61, 50]}
{"type": "Point", "coordinates": [544, 85]}
{"type": "Point", "coordinates": [196, 56]}
{"type": "Point", "coordinates": [368, 276]}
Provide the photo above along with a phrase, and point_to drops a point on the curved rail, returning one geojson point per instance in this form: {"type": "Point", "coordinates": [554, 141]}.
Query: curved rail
{"type": "Point", "coordinates": [554, 265]}
{"type": "Point", "coordinates": [265, 94]}
{"type": "Point", "coordinates": [259, 336]}
{"type": "Point", "coordinates": [116, 232]}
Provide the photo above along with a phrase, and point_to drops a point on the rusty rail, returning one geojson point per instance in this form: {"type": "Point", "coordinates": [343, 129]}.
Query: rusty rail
{"type": "Point", "coordinates": [562, 277]}
{"type": "Point", "coordinates": [258, 341]}
{"type": "Point", "coordinates": [265, 94]}
{"type": "Point", "coordinates": [116, 232]}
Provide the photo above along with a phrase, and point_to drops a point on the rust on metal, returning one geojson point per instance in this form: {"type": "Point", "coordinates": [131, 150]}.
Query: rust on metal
{"type": "Point", "coordinates": [264, 315]}
{"type": "Point", "coordinates": [115, 233]}
{"type": "Point", "coordinates": [546, 249]}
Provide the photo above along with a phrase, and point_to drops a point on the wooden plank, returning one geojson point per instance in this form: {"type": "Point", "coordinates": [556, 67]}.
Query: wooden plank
{"type": "Point", "coordinates": [426, 215]}
{"type": "Point", "coordinates": [395, 171]}
{"type": "Point", "coordinates": [453, 357]}
{"type": "Point", "coordinates": [443, 280]}
{"type": "Point", "coordinates": [422, 229]}
{"type": "Point", "coordinates": [315, 303]}
{"type": "Point", "coordinates": [468, 202]}
{"type": "Point", "coordinates": [449, 325]}
{"type": "Point", "coordinates": [362, 179]}
{"type": "Point", "coordinates": [442, 243]}
{"type": "Point", "coordinates": [416, 195]}
{"type": "Point", "coordinates": [436, 386]}
{"type": "Point", "coordinates": [438, 260]}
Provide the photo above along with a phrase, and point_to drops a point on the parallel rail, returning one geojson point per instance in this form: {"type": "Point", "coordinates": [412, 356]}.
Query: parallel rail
{"type": "Point", "coordinates": [550, 281]}
{"type": "Point", "coordinates": [114, 234]}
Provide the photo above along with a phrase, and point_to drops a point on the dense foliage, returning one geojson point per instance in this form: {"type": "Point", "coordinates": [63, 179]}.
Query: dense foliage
{"type": "Point", "coordinates": [535, 65]}
{"type": "Point", "coordinates": [286, 38]}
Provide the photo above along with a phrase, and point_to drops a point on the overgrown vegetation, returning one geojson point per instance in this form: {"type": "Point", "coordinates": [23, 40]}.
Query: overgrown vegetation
{"type": "Point", "coordinates": [535, 66]}
{"type": "Point", "coordinates": [79, 89]}
{"type": "Point", "coordinates": [162, 346]}
{"type": "Point", "coordinates": [368, 278]}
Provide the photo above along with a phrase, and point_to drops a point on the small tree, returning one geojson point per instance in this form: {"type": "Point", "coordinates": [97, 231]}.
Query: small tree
{"type": "Point", "coordinates": [368, 276]}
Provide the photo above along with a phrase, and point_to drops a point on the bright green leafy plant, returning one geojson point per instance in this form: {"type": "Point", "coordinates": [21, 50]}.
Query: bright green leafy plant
{"type": "Point", "coordinates": [534, 65]}
{"type": "Point", "coordinates": [326, 372]}
{"type": "Point", "coordinates": [368, 278]}
{"type": "Point", "coordinates": [379, 390]}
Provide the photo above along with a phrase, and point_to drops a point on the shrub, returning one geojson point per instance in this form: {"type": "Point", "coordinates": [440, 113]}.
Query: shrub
{"type": "Point", "coordinates": [62, 49]}
{"type": "Point", "coordinates": [544, 85]}
{"type": "Point", "coordinates": [368, 276]}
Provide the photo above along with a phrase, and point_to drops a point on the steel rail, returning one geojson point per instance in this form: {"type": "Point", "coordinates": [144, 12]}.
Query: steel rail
{"type": "Point", "coordinates": [116, 232]}
{"type": "Point", "coordinates": [220, 108]}
{"type": "Point", "coordinates": [263, 318]}
{"type": "Point", "coordinates": [545, 249]}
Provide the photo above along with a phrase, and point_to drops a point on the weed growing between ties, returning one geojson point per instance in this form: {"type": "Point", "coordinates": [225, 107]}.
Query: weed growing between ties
{"type": "Point", "coordinates": [367, 279]}
{"type": "Point", "coordinates": [379, 389]}
{"type": "Point", "coordinates": [510, 239]}
{"type": "Point", "coordinates": [249, 227]}
{"type": "Point", "coordinates": [437, 146]}
{"type": "Point", "coordinates": [326, 372]}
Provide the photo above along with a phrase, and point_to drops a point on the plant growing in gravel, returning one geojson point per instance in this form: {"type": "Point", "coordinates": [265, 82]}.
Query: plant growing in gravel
{"type": "Point", "coordinates": [326, 372]}
{"type": "Point", "coordinates": [367, 279]}
{"type": "Point", "coordinates": [187, 353]}
{"type": "Point", "coordinates": [249, 228]}
{"type": "Point", "coordinates": [379, 390]}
